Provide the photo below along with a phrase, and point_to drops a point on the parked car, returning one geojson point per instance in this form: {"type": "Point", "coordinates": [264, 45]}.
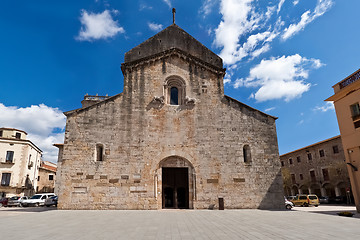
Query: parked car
{"type": "Point", "coordinates": [51, 201]}
{"type": "Point", "coordinates": [340, 199]}
{"type": "Point", "coordinates": [290, 198]}
{"type": "Point", "coordinates": [4, 202]}
{"type": "Point", "coordinates": [306, 200]}
{"type": "Point", "coordinates": [37, 199]}
{"type": "Point", "coordinates": [16, 201]}
{"type": "Point", "coordinates": [288, 205]}
{"type": "Point", "coordinates": [324, 199]}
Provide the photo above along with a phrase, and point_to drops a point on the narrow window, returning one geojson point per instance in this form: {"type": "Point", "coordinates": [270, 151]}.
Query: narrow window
{"type": "Point", "coordinates": [282, 163]}
{"type": "Point", "coordinates": [99, 152]}
{"type": "Point", "coordinates": [247, 154]}
{"type": "Point", "coordinates": [325, 173]}
{"type": "Point", "coordinates": [301, 177]}
{"type": "Point", "coordinates": [355, 113]}
{"type": "Point", "coordinates": [51, 177]}
{"type": "Point", "coordinates": [9, 156]}
{"type": "Point", "coordinates": [290, 161]}
{"type": "Point", "coordinates": [309, 156]}
{"type": "Point", "coordinates": [335, 149]}
{"type": "Point", "coordinates": [321, 153]}
{"type": "Point", "coordinates": [1, 133]}
{"type": "Point", "coordinates": [17, 135]}
{"type": "Point", "coordinates": [293, 180]}
{"type": "Point", "coordinates": [5, 179]}
{"type": "Point", "coordinates": [174, 96]}
{"type": "Point", "coordinates": [355, 110]}
{"type": "Point", "coordinates": [312, 176]}
{"type": "Point", "coordinates": [38, 178]}
{"type": "Point", "coordinates": [298, 159]}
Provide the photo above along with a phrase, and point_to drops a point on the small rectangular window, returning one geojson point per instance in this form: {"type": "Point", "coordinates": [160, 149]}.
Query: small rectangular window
{"type": "Point", "coordinates": [282, 163]}
{"type": "Point", "coordinates": [1, 133]}
{"type": "Point", "coordinates": [298, 159]}
{"type": "Point", "coordinates": [309, 156]}
{"type": "Point", "coordinates": [38, 178]}
{"type": "Point", "coordinates": [9, 156]}
{"type": "Point", "coordinates": [51, 177]}
{"type": "Point", "coordinates": [290, 161]}
{"type": "Point", "coordinates": [5, 179]}
{"type": "Point", "coordinates": [301, 177]}
{"type": "Point", "coordinates": [335, 149]}
{"type": "Point", "coordinates": [18, 135]}
{"type": "Point", "coordinates": [321, 153]}
{"type": "Point", "coordinates": [293, 180]}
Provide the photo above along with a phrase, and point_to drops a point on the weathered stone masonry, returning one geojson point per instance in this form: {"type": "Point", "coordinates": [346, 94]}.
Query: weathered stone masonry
{"type": "Point", "coordinates": [155, 154]}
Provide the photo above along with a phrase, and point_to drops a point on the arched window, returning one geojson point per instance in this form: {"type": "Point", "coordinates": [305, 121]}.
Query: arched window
{"type": "Point", "coordinates": [247, 154]}
{"type": "Point", "coordinates": [174, 96]}
{"type": "Point", "coordinates": [174, 90]}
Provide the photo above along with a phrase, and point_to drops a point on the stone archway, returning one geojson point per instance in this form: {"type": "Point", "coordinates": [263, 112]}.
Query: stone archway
{"type": "Point", "coordinates": [176, 184]}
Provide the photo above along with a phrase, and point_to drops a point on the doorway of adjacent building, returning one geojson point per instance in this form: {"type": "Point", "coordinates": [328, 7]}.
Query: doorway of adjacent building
{"type": "Point", "coordinates": [175, 187]}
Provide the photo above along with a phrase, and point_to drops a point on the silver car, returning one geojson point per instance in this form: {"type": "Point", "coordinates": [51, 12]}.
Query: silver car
{"type": "Point", "coordinates": [16, 201]}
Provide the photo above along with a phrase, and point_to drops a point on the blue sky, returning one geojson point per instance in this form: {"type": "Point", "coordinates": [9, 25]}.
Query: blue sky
{"type": "Point", "coordinates": [282, 57]}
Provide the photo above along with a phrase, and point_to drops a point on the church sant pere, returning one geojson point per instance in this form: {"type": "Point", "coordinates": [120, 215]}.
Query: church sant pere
{"type": "Point", "coordinates": [171, 139]}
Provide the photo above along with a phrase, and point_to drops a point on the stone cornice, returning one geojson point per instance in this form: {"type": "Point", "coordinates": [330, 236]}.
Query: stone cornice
{"type": "Point", "coordinates": [173, 51]}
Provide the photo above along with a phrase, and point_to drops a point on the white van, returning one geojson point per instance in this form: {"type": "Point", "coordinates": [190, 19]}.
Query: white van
{"type": "Point", "coordinates": [37, 199]}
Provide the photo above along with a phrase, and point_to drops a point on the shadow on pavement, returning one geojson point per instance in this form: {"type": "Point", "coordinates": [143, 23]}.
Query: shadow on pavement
{"type": "Point", "coordinates": [28, 209]}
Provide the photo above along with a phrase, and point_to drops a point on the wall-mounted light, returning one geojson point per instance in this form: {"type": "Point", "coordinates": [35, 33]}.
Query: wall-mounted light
{"type": "Point", "coordinates": [352, 166]}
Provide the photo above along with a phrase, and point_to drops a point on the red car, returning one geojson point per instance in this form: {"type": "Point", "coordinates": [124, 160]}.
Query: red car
{"type": "Point", "coordinates": [4, 202]}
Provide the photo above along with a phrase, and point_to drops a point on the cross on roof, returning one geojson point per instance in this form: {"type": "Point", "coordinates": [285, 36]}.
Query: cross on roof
{"type": "Point", "coordinates": [173, 12]}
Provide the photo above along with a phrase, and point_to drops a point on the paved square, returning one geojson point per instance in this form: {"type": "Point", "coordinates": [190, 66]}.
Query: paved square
{"type": "Point", "coordinates": [49, 223]}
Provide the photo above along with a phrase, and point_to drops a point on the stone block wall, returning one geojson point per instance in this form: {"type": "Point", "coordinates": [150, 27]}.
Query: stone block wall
{"type": "Point", "coordinates": [138, 131]}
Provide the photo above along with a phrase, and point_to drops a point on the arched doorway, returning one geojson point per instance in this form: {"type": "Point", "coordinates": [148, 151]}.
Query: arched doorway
{"type": "Point", "coordinates": [315, 189]}
{"type": "Point", "coordinates": [177, 183]}
{"type": "Point", "coordinates": [304, 189]}
{"type": "Point", "coordinates": [294, 190]}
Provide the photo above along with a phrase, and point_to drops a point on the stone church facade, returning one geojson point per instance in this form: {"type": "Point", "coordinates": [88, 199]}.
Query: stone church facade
{"type": "Point", "coordinates": [171, 139]}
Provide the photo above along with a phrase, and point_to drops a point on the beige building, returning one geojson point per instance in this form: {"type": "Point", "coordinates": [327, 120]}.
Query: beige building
{"type": "Point", "coordinates": [317, 169]}
{"type": "Point", "coordinates": [47, 177]}
{"type": "Point", "coordinates": [19, 163]}
{"type": "Point", "coordinates": [171, 139]}
{"type": "Point", "coordinates": [347, 105]}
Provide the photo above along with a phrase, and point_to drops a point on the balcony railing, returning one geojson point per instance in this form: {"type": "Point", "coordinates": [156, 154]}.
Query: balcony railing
{"type": "Point", "coordinates": [349, 80]}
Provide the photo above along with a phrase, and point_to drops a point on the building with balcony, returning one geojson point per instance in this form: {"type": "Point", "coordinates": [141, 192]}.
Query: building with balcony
{"type": "Point", "coordinates": [316, 169]}
{"type": "Point", "coordinates": [19, 163]}
{"type": "Point", "coordinates": [346, 99]}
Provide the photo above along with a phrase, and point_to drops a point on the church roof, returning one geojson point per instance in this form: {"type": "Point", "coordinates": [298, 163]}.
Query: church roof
{"type": "Point", "coordinates": [170, 38]}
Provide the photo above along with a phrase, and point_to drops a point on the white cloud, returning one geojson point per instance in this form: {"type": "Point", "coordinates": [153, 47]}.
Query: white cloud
{"type": "Point", "coordinates": [97, 26]}
{"type": "Point", "coordinates": [168, 2]}
{"type": "Point", "coordinates": [240, 21]}
{"type": "Point", "coordinates": [280, 78]}
{"type": "Point", "coordinates": [270, 12]}
{"type": "Point", "coordinates": [44, 125]}
{"type": "Point", "coordinates": [155, 27]}
{"type": "Point", "coordinates": [281, 2]}
{"type": "Point", "coordinates": [270, 109]}
{"type": "Point", "coordinates": [227, 79]}
{"type": "Point", "coordinates": [234, 24]}
{"type": "Point", "coordinates": [143, 6]}
{"type": "Point", "coordinates": [326, 107]}
{"type": "Point", "coordinates": [206, 7]}
{"type": "Point", "coordinates": [307, 17]}
{"type": "Point", "coordinates": [295, 2]}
